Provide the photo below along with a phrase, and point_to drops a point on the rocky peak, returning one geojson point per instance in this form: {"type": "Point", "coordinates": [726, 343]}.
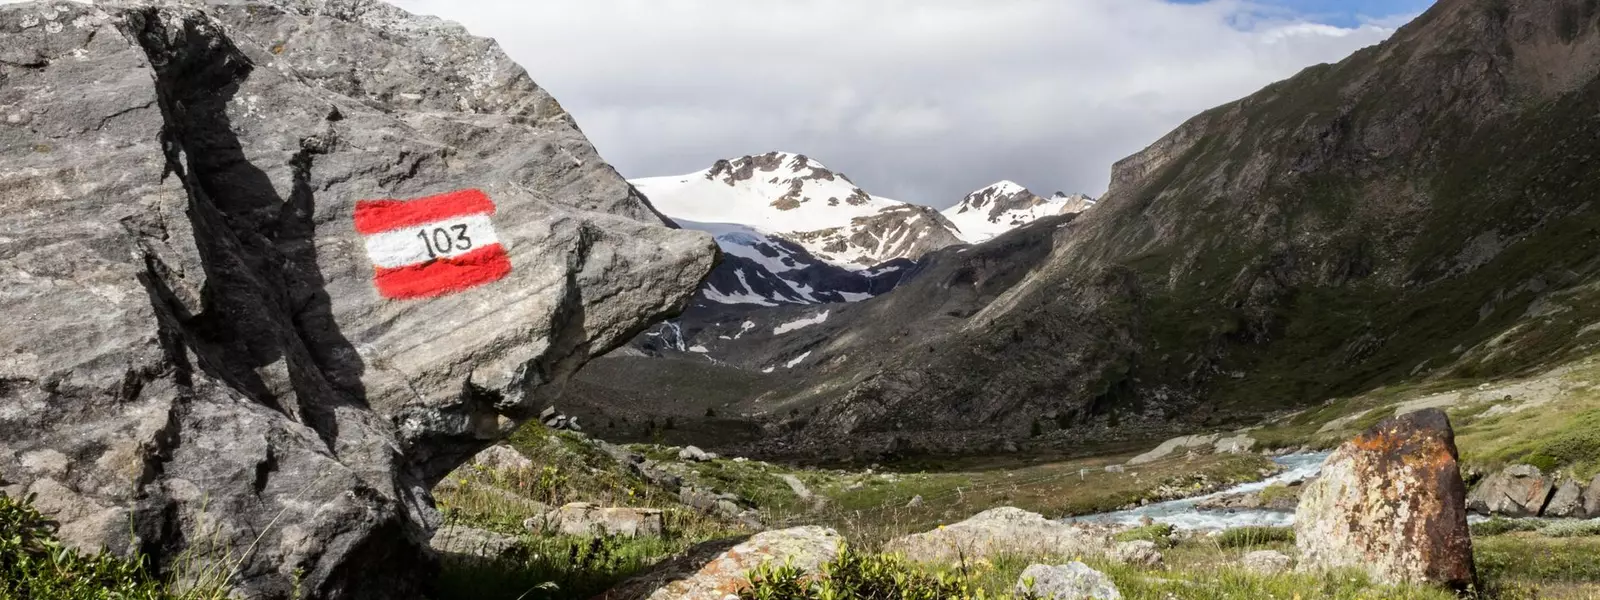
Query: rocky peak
{"type": "Point", "coordinates": [777, 168]}
{"type": "Point", "coordinates": [998, 198]}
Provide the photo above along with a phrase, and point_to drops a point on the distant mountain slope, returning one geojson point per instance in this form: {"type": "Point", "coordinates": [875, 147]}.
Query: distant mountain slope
{"type": "Point", "coordinates": [1427, 209]}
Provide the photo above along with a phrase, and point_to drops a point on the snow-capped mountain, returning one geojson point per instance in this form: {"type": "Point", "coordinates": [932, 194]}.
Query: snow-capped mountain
{"type": "Point", "coordinates": [797, 199]}
{"type": "Point", "coordinates": [985, 214]}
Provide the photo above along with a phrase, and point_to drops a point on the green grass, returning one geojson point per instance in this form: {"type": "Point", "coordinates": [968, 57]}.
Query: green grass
{"type": "Point", "coordinates": [874, 508]}
{"type": "Point", "coordinates": [1159, 533]}
{"type": "Point", "coordinates": [1251, 537]}
{"type": "Point", "coordinates": [1520, 560]}
{"type": "Point", "coordinates": [35, 565]}
{"type": "Point", "coordinates": [870, 577]}
{"type": "Point", "coordinates": [551, 567]}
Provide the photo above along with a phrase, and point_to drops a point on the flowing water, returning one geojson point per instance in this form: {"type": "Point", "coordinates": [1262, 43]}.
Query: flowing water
{"type": "Point", "coordinates": [1183, 514]}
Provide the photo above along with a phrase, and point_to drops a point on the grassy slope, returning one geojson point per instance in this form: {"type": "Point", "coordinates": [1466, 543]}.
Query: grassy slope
{"type": "Point", "coordinates": [1550, 419]}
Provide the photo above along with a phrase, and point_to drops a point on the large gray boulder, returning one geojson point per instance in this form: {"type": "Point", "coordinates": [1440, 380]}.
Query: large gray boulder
{"type": "Point", "coordinates": [202, 345]}
{"type": "Point", "coordinates": [1567, 501]}
{"type": "Point", "coordinates": [1516, 491]}
{"type": "Point", "coordinates": [1391, 502]}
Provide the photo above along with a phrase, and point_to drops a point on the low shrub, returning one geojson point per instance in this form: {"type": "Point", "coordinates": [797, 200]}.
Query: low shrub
{"type": "Point", "coordinates": [1566, 529]}
{"type": "Point", "coordinates": [1246, 537]}
{"type": "Point", "coordinates": [1502, 526]}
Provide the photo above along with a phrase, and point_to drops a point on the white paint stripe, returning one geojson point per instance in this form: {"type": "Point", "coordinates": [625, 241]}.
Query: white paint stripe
{"type": "Point", "coordinates": [444, 239]}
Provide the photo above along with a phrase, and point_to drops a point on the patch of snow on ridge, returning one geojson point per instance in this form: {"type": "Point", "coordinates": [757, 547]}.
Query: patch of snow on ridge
{"type": "Point", "coordinates": [797, 360]}
{"type": "Point", "coordinates": [797, 325]}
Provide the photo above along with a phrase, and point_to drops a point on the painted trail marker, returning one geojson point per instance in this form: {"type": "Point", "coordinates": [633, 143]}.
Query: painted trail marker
{"type": "Point", "coordinates": [432, 246]}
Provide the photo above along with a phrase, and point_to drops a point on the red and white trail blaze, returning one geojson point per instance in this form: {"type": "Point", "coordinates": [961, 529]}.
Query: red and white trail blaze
{"type": "Point", "coordinates": [432, 246]}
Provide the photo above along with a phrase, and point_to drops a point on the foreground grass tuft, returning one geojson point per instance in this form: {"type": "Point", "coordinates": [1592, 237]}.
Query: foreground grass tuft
{"type": "Point", "coordinates": [1250, 537]}
{"type": "Point", "coordinates": [36, 566]}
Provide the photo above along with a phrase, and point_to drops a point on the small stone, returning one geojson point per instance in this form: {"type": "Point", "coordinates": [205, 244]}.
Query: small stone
{"type": "Point", "coordinates": [695, 454]}
{"type": "Point", "coordinates": [1071, 581]}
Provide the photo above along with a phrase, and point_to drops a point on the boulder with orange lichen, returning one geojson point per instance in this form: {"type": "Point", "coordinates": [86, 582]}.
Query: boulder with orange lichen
{"type": "Point", "coordinates": [1391, 502]}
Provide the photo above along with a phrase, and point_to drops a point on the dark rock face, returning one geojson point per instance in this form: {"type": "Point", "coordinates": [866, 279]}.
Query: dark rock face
{"type": "Point", "coordinates": [1391, 502]}
{"type": "Point", "coordinates": [199, 352]}
{"type": "Point", "coordinates": [1517, 491]}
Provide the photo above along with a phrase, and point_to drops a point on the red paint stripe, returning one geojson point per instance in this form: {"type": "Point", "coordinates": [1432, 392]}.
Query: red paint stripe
{"type": "Point", "coordinates": [377, 216]}
{"type": "Point", "coordinates": [443, 276]}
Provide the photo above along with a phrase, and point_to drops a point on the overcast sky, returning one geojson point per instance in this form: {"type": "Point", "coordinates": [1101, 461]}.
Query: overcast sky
{"type": "Point", "coordinates": [918, 100]}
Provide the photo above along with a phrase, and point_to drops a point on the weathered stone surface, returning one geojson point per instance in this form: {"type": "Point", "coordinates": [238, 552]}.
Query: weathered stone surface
{"type": "Point", "coordinates": [1516, 491]}
{"type": "Point", "coordinates": [1266, 562]}
{"type": "Point", "coordinates": [1140, 553]}
{"type": "Point", "coordinates": [583, 518]}
{"type": "Point", "coordinates": [1071, 581]}
{"type": "Point", "coordinates": [193, 318]}
{"type": "Point", "coordinates": [1173, 445]}
{"type": "Point", "coordinates": [1567, 502]}
{"type": "Point", "coordinates": [999, 531]}
{"type": "Point", "coordinates": [1391, 502]}
{"type": "Point", "coordinates": [716, 570]}
{"type": "Point", "coordinates": [503, 459]}
{"type": "Point", "coordinates": [469, 541]}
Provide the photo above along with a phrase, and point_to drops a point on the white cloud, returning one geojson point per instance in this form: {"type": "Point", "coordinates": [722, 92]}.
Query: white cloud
{"type": "Point", "coordinates": [922, 100]}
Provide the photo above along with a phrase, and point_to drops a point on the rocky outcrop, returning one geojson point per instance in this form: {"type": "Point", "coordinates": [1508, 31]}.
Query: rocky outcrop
{"type": "Point", "coordinates": [213, 337]}
{"type": "Point", "coordinates": [1391, 502]}
{"type": "Point", "coordinates": [1071, 581]}
{"type": "Point", "coordinates": [999, 531]}
{"type": "Point", "coordinates": [717, 570]}
{"type": "Point", "coordinates": [1517, 491]}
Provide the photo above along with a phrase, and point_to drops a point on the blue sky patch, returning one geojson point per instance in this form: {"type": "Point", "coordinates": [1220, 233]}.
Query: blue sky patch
{"type": "Point", "coordinates": [1343, 13]}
